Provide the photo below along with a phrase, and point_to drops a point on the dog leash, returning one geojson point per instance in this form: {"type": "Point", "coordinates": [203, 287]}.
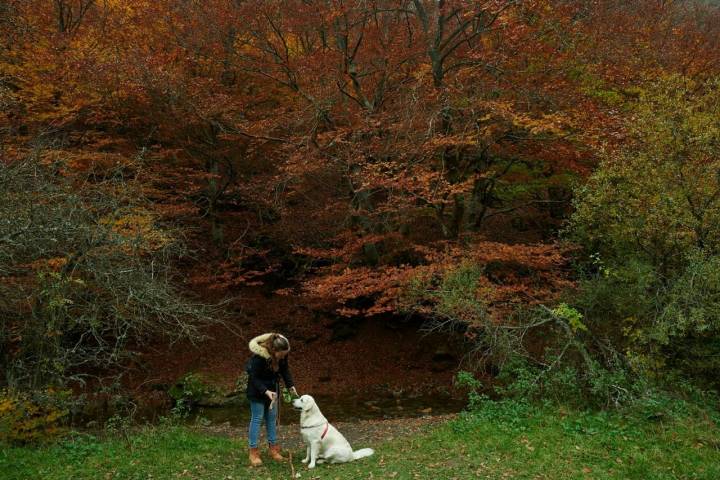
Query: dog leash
{"type": "Point", "coordinates": [278, 401]}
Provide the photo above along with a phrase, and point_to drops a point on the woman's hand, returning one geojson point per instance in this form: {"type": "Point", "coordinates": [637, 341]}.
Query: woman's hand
{"type": "Point", "coordinates": [271, 395]}
{"type": "Point", "coordinates": [293, 390]}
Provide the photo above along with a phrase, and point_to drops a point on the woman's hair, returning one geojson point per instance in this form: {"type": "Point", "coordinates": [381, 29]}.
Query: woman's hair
{"type": "Point", "coordinates": [276, 343]}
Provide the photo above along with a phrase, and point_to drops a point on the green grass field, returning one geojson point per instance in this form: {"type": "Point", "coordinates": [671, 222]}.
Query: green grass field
{"type": "Point", "coordinates": [503, 440]}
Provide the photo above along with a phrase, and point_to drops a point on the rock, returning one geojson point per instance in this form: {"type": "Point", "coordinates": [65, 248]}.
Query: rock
{"type": "Point", "coordinates": [443, 359]}
{"type": "Point", "coordinates": [442, 353]}
{"type": "Point", "coordinates": [220, 400]}
{"type": "Point", "coordinates": [440, 367]}
{"type": "Point", "coordinates": [503, 271]}
{"type": "Point", "coordinates": [311, 338]}
{"type": "Point", "coordinates": [344, 329]}
{"type": "Point", "coordinates": [209, 401]}
{"type": "Point", "coordinates": [284, 327]}
{"type": "Point", "coordinates": [196, 389]}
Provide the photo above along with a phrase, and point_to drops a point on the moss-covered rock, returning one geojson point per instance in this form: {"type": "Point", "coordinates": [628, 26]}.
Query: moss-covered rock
{"type": "Point", "coordinates": [198, 390]}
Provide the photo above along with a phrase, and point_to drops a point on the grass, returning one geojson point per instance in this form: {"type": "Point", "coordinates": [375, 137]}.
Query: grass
{"type": "Point", "coordinates": [502, 440]}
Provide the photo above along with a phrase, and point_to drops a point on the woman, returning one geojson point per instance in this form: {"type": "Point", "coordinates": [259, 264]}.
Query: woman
{"type": "Point", "coordinates": [268, 363]}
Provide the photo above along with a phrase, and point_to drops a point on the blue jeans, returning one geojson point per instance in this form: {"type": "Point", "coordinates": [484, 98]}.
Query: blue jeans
{"type": "Point", "coordinates": [258, 410]}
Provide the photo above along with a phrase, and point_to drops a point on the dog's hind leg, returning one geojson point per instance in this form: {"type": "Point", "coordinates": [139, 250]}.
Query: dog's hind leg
{"type": "Point", "coordinates": [338, 455]}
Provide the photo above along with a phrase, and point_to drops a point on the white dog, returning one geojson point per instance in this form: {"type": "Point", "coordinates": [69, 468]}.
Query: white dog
{"type": "Point", "coordinates": [324, 442]}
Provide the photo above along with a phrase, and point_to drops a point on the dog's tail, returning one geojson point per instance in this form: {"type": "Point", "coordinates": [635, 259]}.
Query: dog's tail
{"type": "Point", "coordinates": [362, 453]}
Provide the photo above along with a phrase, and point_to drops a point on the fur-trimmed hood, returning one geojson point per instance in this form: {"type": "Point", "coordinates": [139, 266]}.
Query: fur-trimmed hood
{"type": "Point", "coordinates": [258, 349]}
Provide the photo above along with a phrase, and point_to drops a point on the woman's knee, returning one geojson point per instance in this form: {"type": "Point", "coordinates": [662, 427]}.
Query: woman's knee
{"type": "Point", "coordinates": [256, 415]}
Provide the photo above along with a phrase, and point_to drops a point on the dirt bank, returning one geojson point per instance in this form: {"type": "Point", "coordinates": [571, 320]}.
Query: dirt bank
{"type": "Point", "coordinates": [329, 354]}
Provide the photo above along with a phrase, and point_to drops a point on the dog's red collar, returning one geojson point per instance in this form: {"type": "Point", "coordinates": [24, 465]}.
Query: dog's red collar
{"type": "Point", "coordinates": [327, 426]}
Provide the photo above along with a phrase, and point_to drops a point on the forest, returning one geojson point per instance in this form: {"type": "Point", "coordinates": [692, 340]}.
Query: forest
{"type": "Point", "coordinates": [511, 204]}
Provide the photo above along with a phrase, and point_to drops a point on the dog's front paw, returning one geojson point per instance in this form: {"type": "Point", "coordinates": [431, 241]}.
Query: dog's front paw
{"type": "Point", "coordinates": [305, 460]}
{"type": "Point", "coordinates": [312, 465]}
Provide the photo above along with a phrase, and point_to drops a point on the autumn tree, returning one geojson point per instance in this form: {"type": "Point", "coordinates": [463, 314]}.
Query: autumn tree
{"type": "Point", "coordinates": [70, 14]}
{"type": "Point", "coordinates": [85, 276]}
{"type": "Point", "coordinates": [368, 145]}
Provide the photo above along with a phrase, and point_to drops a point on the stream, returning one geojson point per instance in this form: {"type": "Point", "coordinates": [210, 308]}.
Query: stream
{"type": "Point", "coordinates": [341, 408]}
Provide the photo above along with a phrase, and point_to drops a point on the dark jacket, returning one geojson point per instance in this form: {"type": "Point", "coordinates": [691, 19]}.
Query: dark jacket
{"type": "Point", "coordinates": [261, 376]}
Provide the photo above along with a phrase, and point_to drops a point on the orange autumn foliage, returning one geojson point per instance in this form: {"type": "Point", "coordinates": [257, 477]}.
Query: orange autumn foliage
{"type": "Point", "coordinates": [373, 142]}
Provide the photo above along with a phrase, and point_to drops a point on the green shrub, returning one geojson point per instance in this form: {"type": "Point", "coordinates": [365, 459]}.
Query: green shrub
{"type": "Point", "coordinates": [667, 327]}
{"type": "Point", "coordinates": [650, 217]}
{"type": "Point", "coordinates": [568, 381]}
{"type": "Point", "coordinates": [189, 389]}
{"type": "Point", "coordinates": [508, 414]}
{"type": "Point", "coordinates": [466, 380]}
{"type": "Point", "coordinates": [453, 296]}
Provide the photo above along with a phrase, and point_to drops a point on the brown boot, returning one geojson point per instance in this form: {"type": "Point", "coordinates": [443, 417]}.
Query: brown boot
{"type": "Point", "coordinates": [275, 453]}
{"type": "Point", "coordinates": [255, 460]}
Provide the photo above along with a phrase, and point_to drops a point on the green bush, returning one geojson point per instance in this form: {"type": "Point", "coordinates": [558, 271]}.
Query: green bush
{"type": "Point", "coordinates": [189, 389]}
{"type": "Point", "coordinates": [568, 380]}
{"type": "Point", "coordinates": [449, 297]}
{"type": "Point", "coordinates": [650, 217]}
{"type": "Point", "coordinates": [466, 380]}
{"type": "Point", "coordinates": [667, 327]}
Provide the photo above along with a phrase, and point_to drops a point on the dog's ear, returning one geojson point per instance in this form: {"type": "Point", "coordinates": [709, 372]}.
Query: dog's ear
{"type": "Point", "coordinates": [308, 402]}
